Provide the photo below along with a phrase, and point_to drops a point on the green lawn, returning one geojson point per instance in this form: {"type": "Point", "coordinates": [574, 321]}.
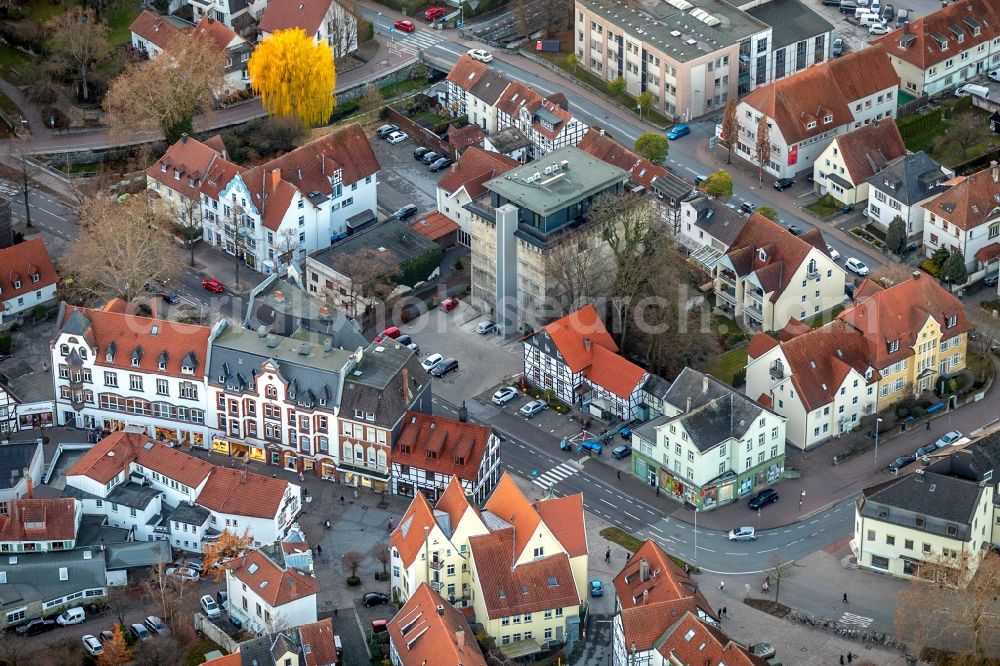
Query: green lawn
{"type": "Point", "coordinates": [826, 206]}
{"type": "Point", "coordinates": [728, 364]}
{"type": "Point", "coordinates": [43, 11]}
{"type": "Point", "coordinates": [632, 543]}
{"type": "Point", "coordinates": [119, 19]}
{"type": "Point", "coordinates": [10, 57]}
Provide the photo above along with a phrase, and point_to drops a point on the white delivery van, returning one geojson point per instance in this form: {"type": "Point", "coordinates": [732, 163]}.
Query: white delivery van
{"type": "Point", "coordinates": [973, 89]}
{"type": "Point", "coordinates": [71, 616]}
{"type": "Point", "coordinates": [868, 20]}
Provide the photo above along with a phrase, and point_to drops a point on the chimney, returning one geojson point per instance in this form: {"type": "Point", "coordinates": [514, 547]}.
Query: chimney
{"type": "Point", "coordinates": [643, 570]}
{"type": "Point", "coordinates": [184, 138]}
{"type": "Point", "coordinates": [454, 167]}
{"type": "Point", "coordinates": [460, 639]}
{"type": "Point", "coordinates": [440, 609]}
{"type": "Point", "coordinates": [996, 170]}
{"type": "Point", "coordinates": [275, 178]}
{"type": "Point", "coordinates": [688, 408]}
{"type": "Point", "coordinates": [586, 344]}
{"type": "Point", "coordinates": [916, 275]}
{"type": "Point", "coordinates": [704, 384]}
{"type": "Point", "coordinates": [406, 384]}
{"type": "Point", "coordinates": [279, 295]}
{"type": "Point", "coordinates": [29, 492]}
{"type": "Point", "coordinates": [645, 596]}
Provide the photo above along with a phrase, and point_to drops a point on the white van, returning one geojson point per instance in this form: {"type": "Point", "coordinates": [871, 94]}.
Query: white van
{"type": "Point", "coordinates": [868, 20]}
{"type": "Point", "coordinates": [71, 616]}
{"type": "Point", "coordinates": [973, 89]}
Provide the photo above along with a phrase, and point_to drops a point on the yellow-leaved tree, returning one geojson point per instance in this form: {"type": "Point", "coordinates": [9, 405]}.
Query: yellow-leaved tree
{"type": "Point", "coordinates": [294, 74]}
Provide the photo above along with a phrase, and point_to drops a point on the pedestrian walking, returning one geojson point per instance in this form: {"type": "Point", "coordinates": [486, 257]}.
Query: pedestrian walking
{"type": "Point", "coordinates": [928, 425]}
{"type": "Point", "coordinates": [355, 493]}
{"type": "Point", "coordinates": [720, 615]}
{"type": "Point", "coordinates": [725, 612]}
{"type": "Point", "coordinates": [850, 657]}
{"type": "Point", "coordinates": [841, 660]}
{"type": "Point", "coordinates": [301, 477]}
{"type": "Point", "coordinates": [722, 584]}
{"type": "Point", "coordinates": [657, 491]}
{"type": "Point", "coordinates": [607, 556]}
{"type": "Point", "coordinates": [619, 475]}
{"type": "Point", "coordinates": [319, 549]}
{"type": "Point", "coordinates": [628, 556]}
{"type": "Point", "coordinates": [845, 597]}
{"type": "Point", "coordinates": [687, 569]}
{"type": "Point", "coordinates": [341, 500]}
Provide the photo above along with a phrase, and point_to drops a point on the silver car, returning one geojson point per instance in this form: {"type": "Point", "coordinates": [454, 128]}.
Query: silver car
{"type": "Point", "coordinates": [534, 407]}
{"type": "Point", "coordinates": [743, 534]}
{"type": "Point", "coordinates": [210, 607]}
{"type": "Point", "coordinates": [486, 327]}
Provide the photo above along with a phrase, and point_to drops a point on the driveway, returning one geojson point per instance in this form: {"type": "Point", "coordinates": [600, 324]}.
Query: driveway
{"type": "Point", "coordinates": [403, 180]}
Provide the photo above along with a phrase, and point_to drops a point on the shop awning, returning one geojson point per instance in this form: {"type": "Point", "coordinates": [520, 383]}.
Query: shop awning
{"type": "Point", "coordinates": [364, 471]}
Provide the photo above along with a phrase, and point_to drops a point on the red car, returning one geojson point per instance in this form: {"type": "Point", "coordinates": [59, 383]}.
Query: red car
{"type": "Point", "coordinates": [405, 26]}
{"type": "Point", "coordinates": [434, 13]}
{"type": "Point", "coordinates": [392, 332]}
{"type": "Point", "coordinates": [448, 304]}
{"type": "Point", "coordinates": [213, 285]}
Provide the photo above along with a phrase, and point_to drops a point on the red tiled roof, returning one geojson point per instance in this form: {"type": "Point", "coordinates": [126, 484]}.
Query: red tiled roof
{"type": "Point", "coordinates": [970, 201]}
{"type": "Point", "coordinates": [435, 632]}
{"type": "Point", "coordinates": [823, 90]}
{"type": "Point", "coordinates": [564, 517]}
{"type": "Point", "coordinates": [466, 72]}
{"type": "Point", "coordinates": [318, 636]}
{"type": "Point", "coordinates": [151, 337]}
{"type": "Point", "coordinates": [217, 32]}
{"type": "Point", "coordinates": [39, 520]}
{"type": "Point", "coordinates": [653, 591]}
{"type": "Point", "coordinates": [867, 149]}
{"type": "Point", "coordinates": [530, 587]}
{"type": "Point", "coordinates": [783, 251]}
{"type": "Point", "coordinates": [987, 254]}
{"type": "Point", "coordinates": [408, 537]}
{"type": "Point", "coordinates": [234, 659]}
{"type": "Point", "coordinates": [155, 29]}
{"type": "Point", "coordinates": [760, 344]}
{"type": "Point", "coordinates": [270, 582]}
{"type": "Point", "coordinates": [509, 504]}
{"type": "Point", "coordinates": [453, 502]}
{"type": "Point", "coordinates": [571, 334]}
{"type": "Point", "coordinates": [899, 312]}
{"type": "Point", "coordinates": [435, 225]}
{"type": "Point", "coordinates": [692, 641]}
{"type": "Point", "coordinates": [518, 95]}
{"type": "Point", "coordinates": [229, 491]}
{"type": "Point", "coordinates": [19, 263]}
{"type": "Point", "coordinates": [191, 161]}
{"type": "Point", "coordinates": [614, 372]}
{"type": "Point", "coordinates": [641, 170]}
{"type": "Point", "coordinates": [286, 14]}
{"type": "Point", "coordinates": [451, 440]}
{"type": "Point", "coordinates": [915, 43]}
{"type": "Point", "coordinates": [473, 168]}
{"type": "Point", "coordinates": [792, 328]}
{"type": "Point", "coordinates": [470, 135]}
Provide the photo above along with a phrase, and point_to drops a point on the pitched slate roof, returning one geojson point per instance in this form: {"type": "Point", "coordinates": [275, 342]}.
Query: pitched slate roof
{"type": "Point", "coordinates": [21, 263]}
{"type": "Point", "coordinates": [654, 592]}
{"type": "Point", "coordinates": [277, 585]}
{"type": "Point", "coordinates": [155, 29]}
{"type": "Point", "coordinates": [910, 178]}
{"type": "Point", "coordinates": [928, 40]}
{"type": "Point", "coordinates": [937, 501]}
{"type": "Point", "coordinates": [429, 630]}
{"type": "Point", "coordinates": [458, 447]}
{"type": "Point", "coordinates": [899, 312]}
{"type": "Point", "coordinates": [867, 149]}
{"type": "Point", "coordinates": [286, 14]}
{"type": "Point", "coordinates": [473, 168]}
{"type": "Point", "coordinates": [716, 412]}
{"type": "Point", "coordinates": [693, 641]}
{"type": "Point", "coordinates": [824, 90]}
{"type": "Point", "coordinates": [39, 520]}
{"type": "Point", "coordinates": [718, 220]}
{"type": "Point", "coordinates": [640, 170]}
{"type": "Point", "coordinates": [970, 201]}
{"type": "Point", "coordinates": [379, 389]}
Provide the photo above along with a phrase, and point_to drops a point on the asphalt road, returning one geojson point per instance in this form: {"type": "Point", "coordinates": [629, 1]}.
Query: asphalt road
{"type": "Point", "coordinates": [47, 212]}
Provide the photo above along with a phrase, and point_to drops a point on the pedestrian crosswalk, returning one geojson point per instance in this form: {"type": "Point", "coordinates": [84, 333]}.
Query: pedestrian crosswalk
{"type": "Point", "coordinates": [417, 41]}
{"type": "Point", "coordinates": [553, 476]}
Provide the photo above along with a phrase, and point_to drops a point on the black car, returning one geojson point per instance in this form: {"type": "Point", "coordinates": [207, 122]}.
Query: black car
{"type": "Point", "coordinates": [926, 450]}
{"type": "Point", "coordinates": [795, 231]}
{"type": "Point", "coordinates": [900, 462]}
{"type": "Point", "coordinates": [763, 498]}
{"type": "Point", "coordinates": [444, 367]}
{"type": "Point", "coordinates": [386, 130]}
{"type": "Point", "coordinates": [889, 12]}
{"type": "Point", "coordinates": [783, 183]}
{"type": "Point", "coordinates": [420, 152]}
{"type": "Point", "coordinates": [991, 280]}
{"type": "Point", "coordinates": [370, 599]}
{"type": "Point", "coordinates": [35, 627]}
{"type": "Point", "coordinates": [440, 163]}
{"type": "Point", "coordinates": [748, 207]}
{"type": "Point", "coordinates": [405, 212]}
{"type": "Point", "coordinates": [430, 157]}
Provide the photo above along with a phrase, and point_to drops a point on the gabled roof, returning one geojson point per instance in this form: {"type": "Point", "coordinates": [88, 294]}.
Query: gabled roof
{"type": "Point", "coordinates": [233, 492]}
{"type": "Point", "coordinates": [712, 412]}
{"type": "Point", "coordinates": [821, 91]}
{"type": "Point", "coordinates": [457, 447]}
{"type": "Point", "coordinates": [473, 168]}
{"type": "Point", "coordinates": [899, 312]}
{"type": "Point", "coordinates": [970, 201]}
{"type": "Point", "coordinates": [654, 592]}
{"type": "Point", "coordinates": [928, 40]}
{"type": "Point", "coordinates": [693, 641]}
{"type": "Point", "coordinates": [510, 505]}
{"type": "Point", "coordinates": [470, 135]}
{"type": "Point", "coordinates": [574, 333]}
{"type": "Point", "coordinates": [318, 648]}
{"type": "Point", "coordinates": [718, 220]}
{"type": "Point", "coordinates": [641, 171]}
{"type": "Point", "coordinates": [453, 502]}
{"type": "Point", "coordinates": [217, 32]}
{"type": "Point", "coordinates": [189, 164]}
{"type": "Point", "coordinates": [408, 537]}
{"type": "Point", "coordinates": [564, 517]}
{"type": "Point", "coordinates": [155, 29]}
{"type": "Point", "coordinates": [467, 72]}
{"type": "Point", "coordinates": [910, 178]}
{"type": "Point", "coordinates": [277, 585]}
{"type": "Point", "coordinates": [429, 630]}
{"type": "Point", "coordinates": [614, 372]}
{"type": "Point", "coordinates": [20, 263]}
{"type": "Point", "coordinates": [926, 501]}
{"type": "Point", "coordinates": [552, 108]}
{"type": "Point", "coordinates": [287, 14]}
{"type": "Point", "coordinates": [39, 520]}
{"type": "Point", "coordinates": [139, 344]}
{"type": "Point", "coordinates": [867, 149]}
{"type": "Point", "coordinates": [783, 253]}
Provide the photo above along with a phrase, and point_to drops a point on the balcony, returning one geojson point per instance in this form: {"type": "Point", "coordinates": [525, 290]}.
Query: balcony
{"type": "Point", "coordinates": [753, 312]}
{"type": "Point", "coordinates": [437, 585]}
{"type": "Point", "coordinates": [756, 296]}
{"type": "Point", "coordinates": [436, 564]}
{"type": "Point", "coordinates": [777, 370]}
{"type": "Point", "coordinates": [728, 277]}
{"type": "Point", "coordinates": [727, 294]}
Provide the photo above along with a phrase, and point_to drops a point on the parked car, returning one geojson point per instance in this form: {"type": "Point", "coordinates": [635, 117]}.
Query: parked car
{"type": "Point", "coordinates": [370, 599]}
{"type": "Point", "coordinates": [902, 17]}
{"type": "Point", "coordinates": [993, 74]}
{"type": "Point", "coordinates": [406, 211]}
{"type": "Point", "coordinates": [155, 625]}
{"type": "Point", "coordinates": [795, 230]}
{"type": "Point", "coordinates": [440, 163]}
{"type": "Point", "coordinates": [429, 157]}
{"type": "Point", "coordinates": [184, 573]}
{"type": "Point", "coordinates": [210, 608]}
{"type": "Point", "coordinates": [92, 645]}
{"type": "Point", "coordinates": [140, 632]}
{"type": "Point", "coordinates": [831, 3]}
{"type": "Point", "coordinates": [386, 130]}
{"type": "Point", "coordinates": [888, 12]}
{"type": "Point", "coordinates": [621, 452]}
{"type": "Point", "coordinates": [762, 650]}
{"type": "Point", "coordinates": [505, 395]}
{"type": "Point", "coordinates": [879, 29]}
{"type": "Point", "coordinates": [856, 266]}
{"type": "Point", "coordinates": [193, 562]}
{"type": "Point", "coordinates": [432, 360]}
{"type": "Point", "coordinates": [763, 498]}
{"type": "Point", "coordinates": [832, 251]}
{"type": "Point", "coordinates": [748, 207]}
{"type": "Point", "coordinates": [448, 304]}
{"type": "Point", "coordinates": [397, 137]}
{"type": "Point", "coordinates": [71, 616]}
{"type": "Point", "coordinates": [404, 340]}
{"type": "Point", "coordinates": [698, 180]}
{"type": "Point", "coordinates": [838, 48]}
{"type": "Point", "coordinates": [420, 152]}
{"type": "Point", "coordinates": [482, 55]}
{"type": "Point", "coordinates": [900, 462]}
{"type": "Point", "coordinates": [391, 332]}
{"type": "Point", "coordinates": [596, 588]}
{"type": "Point", "coordinates": [626, 433]}
{"type": "Point", "coordinates": [991, 280]}
{"type": "Point", "coordinates": [213, 285]}
{"type": "Point", "coordinates": [783, 183]}
{"type": "Point", "coordinates": [444, 367]}
{"type": "Point", "coordinates": [380, 626]}
{"type": "Point", "coordinates": [926, 449]}
{"type": "Point", "coordinates": [486, 327]}
{"type": "Point", "coordinates": [677, 131]}
{"type": "Point", "coordinates": [948, 439]}
{"type": "Point", "coordinates": [405, 26]}
{"type": "Point", "coordinates": [743, 534]}
{"type": "Point", "coordinates": [434, 13]}
{"type": "Point", "coordinates": [534, 407]}
{"type": "Point", "coordinates": [34, 627]}
{"type": "Point", "coordinates": [106, 635]}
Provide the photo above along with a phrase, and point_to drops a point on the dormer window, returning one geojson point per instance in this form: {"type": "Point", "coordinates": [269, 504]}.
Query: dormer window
{"type": "Point", "coordinates": [162, 365]}
{"type": "Point", "coordinates": [762, 254]}
{"type": "Point", "coordinates": [64, 350]}
{"type": "Point", "coordinates": [177, 174]}
{"type": "Point", "coordinates": [951, 321]}
{"type": "Point", "coordinates": [404, 449]}
{"type": "Point", "coordinates": [17, 283]}
{"type": "Point", "coordinates": [893, 346]}
{"type": "Point", "coordinates": [163, 168]}
{"type": "Point", "coordinates": [811, 125]}
{"type": "Point", "coordinates": [187, 370]}
{"type": "Point", "coordinates": [35, 277]}
{"type": "Point", "coordinates": [827, 120]}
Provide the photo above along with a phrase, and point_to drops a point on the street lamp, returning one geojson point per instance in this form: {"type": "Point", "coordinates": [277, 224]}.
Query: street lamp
{"type": "Point", "coordinates": [639, 109]}
{"type": "Point", "coordinates": [696, 537]}
{"type": "Point", "coordinates": [877, 421]}
{"type": "Point", "coordinates": [802, 496]}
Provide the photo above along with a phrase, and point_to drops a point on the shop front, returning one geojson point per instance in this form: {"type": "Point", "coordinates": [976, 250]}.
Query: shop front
{"type": "Point", "coordinates": [237, 449]}
{"type": "Point", "coordinates": [327, 469]}
{"type": "Point", "coordinates": [364, 477]}
{"type": "Point", "coordinates": [38, 415]}
{"type": "Point", "coordinates": [178, 436]}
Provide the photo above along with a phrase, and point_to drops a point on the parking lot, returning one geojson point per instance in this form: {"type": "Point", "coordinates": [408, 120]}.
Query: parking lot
{"type": "Point", "coordinates": [403, 180]}
{"type": "Point", "coordinates": [855, 36]}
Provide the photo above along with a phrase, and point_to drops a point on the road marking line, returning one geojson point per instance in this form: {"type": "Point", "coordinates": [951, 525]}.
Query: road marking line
{"type": "Point", "coordinates": [608, 503]}
{"type": "Point", "coordinates": [769, 550]}
{"type": "Point", "coordinates": [630, 515]}
{"type": "Point", "coordinates": [656, 530]}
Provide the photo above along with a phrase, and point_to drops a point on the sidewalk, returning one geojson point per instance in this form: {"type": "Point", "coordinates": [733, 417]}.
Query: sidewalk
{"type": "Point", "coordinates": [27, 110]}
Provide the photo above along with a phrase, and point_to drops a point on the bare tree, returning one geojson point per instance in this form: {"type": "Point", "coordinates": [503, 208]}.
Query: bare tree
{"type": "Point", "coordinates": [763, 147]}
{"type": "Point", "coordinates": [730, 128]}
{"type": "Point", "coordinates": [286, 246]}
{"type": "Point", "coordinates": [228, 546]}
{"type": "Point", "coordinates": [160, 651]}
{"type": "Point", "coordinates": [352, 562]}
{"type": "Point", "coordinates": [343, 30]}
{"type": "Point", "coordinates": [26, 172]}
{"type": "Point", "coordinates": [780, 570]}
{"type": "Point", "coordinates": [369, 277]}
{"type": "Point", "coordinates": [964, 130]}
{"type": "Point", "coordinates": [576, 263]}
{"type": "Point", "coordinates": [122, 246]}
{"type": "Point", "coordinates": [190, 224]}
{"type": "Point", "coordinates": [276, 622]}
{"type": "Point", "coordinates": [382, 556]}
{"type": "Point", "coordinates": [371, 99]}
{"type": "Point", "coordinates": [890, 273]}
{"type": "Point", "coordinates": [81, 39]}
{"type": "Point", "coordinates": [12, 649]}
{"type": "Point", "coordinates": [123, 598]}
{"type": "Point", "coordinates": [65, 652]}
